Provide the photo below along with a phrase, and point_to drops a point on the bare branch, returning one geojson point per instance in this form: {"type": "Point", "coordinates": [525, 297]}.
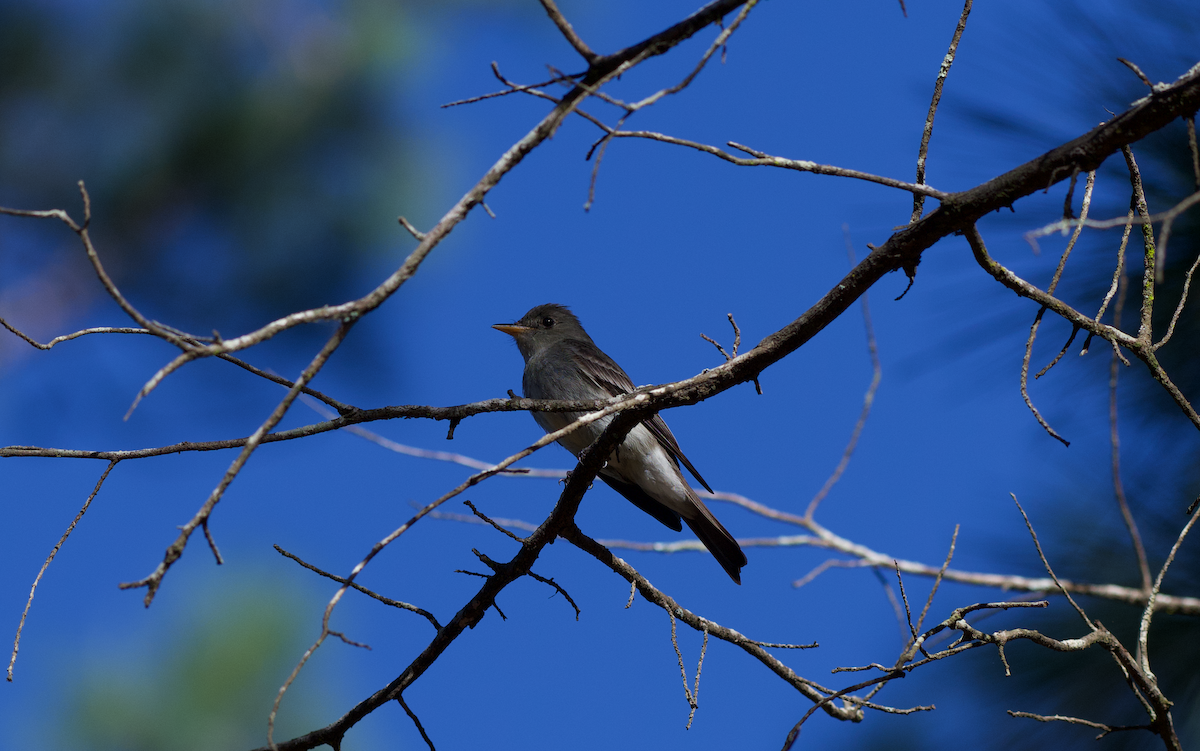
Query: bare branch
{"type": "Point", "coordinates": [154, 580]}
{"type": "Point", "coordinates": [943, 71]}
{"type": "Point", "coordinates": [74, 335]}
{"type": "Point", "coordinates": [868, 398]}
{"type": "Point", "coordinates": [1077, 721]}
{"type": "Point", "coordinates": [1191, 132]}
{"type": "Point", "coordinates": [693, 696]}
{"type": "Point", "coordinates": [412, 716]}
{"type": "Point", "coordinates": [1046, 563]}
{"type": "Point", "coordinates": [417, 234]}
{"type": "Point", "coordinates": [33, 590]}
{"type": "Point", "coordinates": [717, 44]}
{"type": "Point", "coordinates": [1141, 347]}
{"type": "Point", "coordinates": [655, 596]}
{"type": "Point", "coordinates": [1062, 262]}
{"type": "Point", "coordinates": [1118, 274]}
{"type": "Point", "coordinates": [581, 478]}
{"type": "Point", "coordinates": [1115, 436]}
{"type": "Point", "coordinates": [904, 598]}
{"type": "Point", "coordinates": [1147, 614]}
{"type": "Point", "coordinates": [1187, 279]}
{"type": "Point", "coordinates": [486, 520]}
{"type": "Point", "coordinates": [1154, 262]}
{"type": "Point", "coordinates": [81, 230]}
{"type": "Point", "coordinates": [558, 588]}
{"type": "Point", "coordinates": [761, 159]}
{"type": "Point", "coordinates": [568, 31]}
{"type": "Point", "coordinates": [385, 600]}
{"type": "Point", "coordinates": [938, 579]}
{"type": "Point", "coordinates": [1137, 72]}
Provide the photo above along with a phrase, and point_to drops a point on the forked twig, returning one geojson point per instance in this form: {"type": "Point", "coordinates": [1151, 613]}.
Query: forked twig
{"type": "Point", "coordinates": [692, 694]}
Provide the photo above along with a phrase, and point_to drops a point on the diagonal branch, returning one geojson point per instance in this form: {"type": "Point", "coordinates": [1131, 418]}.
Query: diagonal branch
{"type": "Point", "coordinates": [943, 71]}
{"type": "Point", "coordinates": [590, 462]}
{"type": "Point", "coordinates": [175, 550]}
{"type": "Point", "coordinates": [12, 661]}
{"type": "Point", "coordinates": [568, 31]}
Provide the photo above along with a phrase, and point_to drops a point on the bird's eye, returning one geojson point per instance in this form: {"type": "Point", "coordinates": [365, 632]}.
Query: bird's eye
{"type": "Point", "coordinates": [548, 322]}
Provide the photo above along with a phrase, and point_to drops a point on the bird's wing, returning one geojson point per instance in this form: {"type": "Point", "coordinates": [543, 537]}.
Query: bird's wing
{"type": "Point", "coordinates": [642, 500]}
{"type": "Point", "coordinates": [609, 376]}
{"type": "Point", "coordinates": [599, 367]}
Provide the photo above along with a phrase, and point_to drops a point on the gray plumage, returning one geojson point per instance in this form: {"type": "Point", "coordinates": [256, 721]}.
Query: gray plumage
{"type": "Point", "coordinates": [562, 362]}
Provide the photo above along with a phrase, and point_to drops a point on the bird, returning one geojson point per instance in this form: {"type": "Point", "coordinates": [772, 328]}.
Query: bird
{"type": "Point", "coordinates": [562, 362]}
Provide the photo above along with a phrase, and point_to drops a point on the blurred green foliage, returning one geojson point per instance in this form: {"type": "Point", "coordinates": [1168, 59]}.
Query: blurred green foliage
{"type": "Point", "coordinates": [205, 681]}
{"type": "Point", "coordinates": [242, 157]}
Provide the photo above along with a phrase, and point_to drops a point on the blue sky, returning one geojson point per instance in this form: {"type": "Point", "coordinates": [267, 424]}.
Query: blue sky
{"type": "Point", "coordinates": [675, 241]}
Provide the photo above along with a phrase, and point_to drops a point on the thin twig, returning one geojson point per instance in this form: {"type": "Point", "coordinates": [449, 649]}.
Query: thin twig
{"type": "Point", "coordinates": [943, 71]}
{"type": "Point", "coordinates": [412, 716]}
{"type": "Point", "coordinates": [1058, 271]}
{"type": "Point", "coordinates": [1037, 320]}
{"type": "Point", "coordinates": [631, 108]}
{"type": "Point", "coordinates": [794, 733]}
{"type": "Point", "coordinates": [1059, 356]}
{"type": "Point", "coordinates": [1191, 133]}
{"type": "Point", "coordinates": [81, 231]}
{"type": "Point", "coordinates": [904, 598]}
{"type": "Point", "coordinates": [807, 688]}
{"type": "Point", "coordinates": [1141, 346]}
{"type": "Point", "coordinates": [212, 544]}
{"type": "Point", "coordinates": [1147, 614]}
{"type": "Point", "coordinates": [416, 233]}
{"type": "Point", "coordinates": [375, 595]}
{"type": "Point", "coordinates": [154, 580]}
{"type": "Point", "coordinates": [717, 44]}
{"type": "Point", "coordinates": [486, 520]}
{"type": "Point", "coordinates": [1154, 261]}
{"type": "Point", "coordinates": [73, 335]}
{"type": "Point", "coordinates": [558, 588]}
{"type": "Point", "coordinates": [1077, 721]}
{"type": "Point", "coordinates": [1084, 207]}
{"type": "Point", "coordinates": [341, 408]}
{"type": "Point", "coordinates": [589, 465]}
{"type": "Point", "coordinates": [897, 609]}
{"type": "Point", "coordinates": [37, 579]}
{"type": "Point", "coordinates": [1046, 563]}
{"type": "Point", "coordinates": [568, 31]}
{"type": "Point", "coordinates": [1137, 72]}
{"type": "Point", "coordinates": [1115, 442]}
{"type": "Point", "coordinates": [692, 697]}
{"type": "Point", "coordinates": [1118, 273]}
{"type": "Point", "coordinates": [938, 579]}
{"type": "Point", "coordinates": [868, 398]}
{"type": "Point", "coordinates": [512, 89]}
{"type": "Point", "coordinates": [1187, 279]}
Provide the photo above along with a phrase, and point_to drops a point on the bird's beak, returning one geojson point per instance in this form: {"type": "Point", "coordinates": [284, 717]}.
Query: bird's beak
{"type": "Point", "coordinates": [511, 329]}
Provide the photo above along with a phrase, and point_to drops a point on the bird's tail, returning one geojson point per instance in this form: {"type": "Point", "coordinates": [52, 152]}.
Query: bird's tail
{"type": "Point", "coordinates": [718, 541]}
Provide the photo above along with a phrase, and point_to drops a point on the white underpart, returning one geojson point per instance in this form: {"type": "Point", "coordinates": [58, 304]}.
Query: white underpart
{"type": "Point", "coordinates": [639, 460]}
